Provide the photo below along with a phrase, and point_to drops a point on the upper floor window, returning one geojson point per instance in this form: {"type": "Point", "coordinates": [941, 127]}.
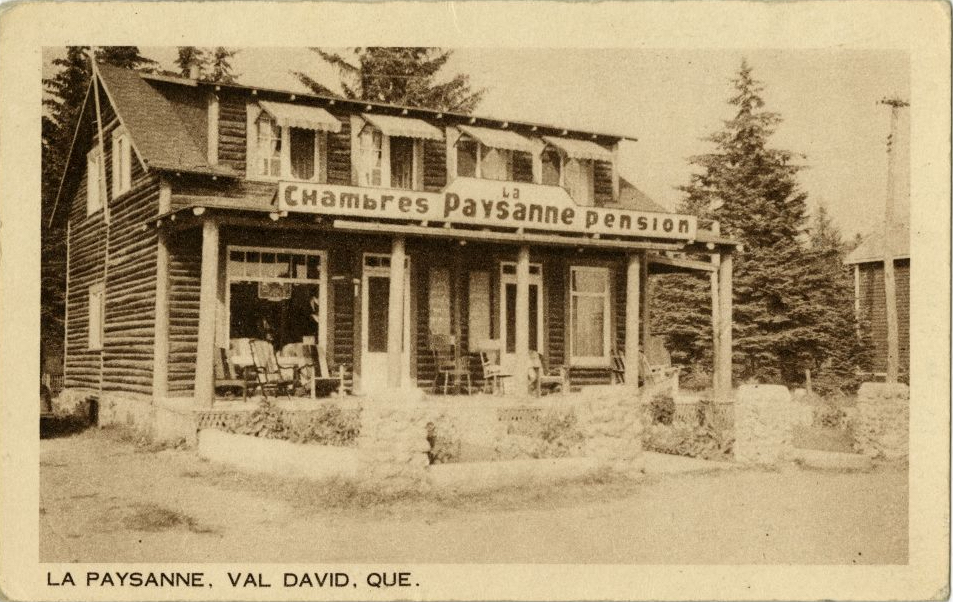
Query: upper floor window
{"type": "Point", "coordinates": [121, 162]}
{"type": "Point", "coordinates": [494, 155]}
{"type": "Point", "coordinates": [268, 148]}
{"type": "Point", "coordinates": [581, 181]}
{"type": "Point", "coordinates": [95, 181]}
{"type": "Point", "coordinates": [551, 167]}
{"type": "Point", "coordinates": [371, 170]}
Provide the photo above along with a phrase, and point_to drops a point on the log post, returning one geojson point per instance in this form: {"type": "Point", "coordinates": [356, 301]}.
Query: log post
{"type": "Point", "coordinates": [395, 314]}
{"type": "Point", "coordinates": [890, 285]}
{"type": "Point", "coordinates": [160, 349]}
{"type": "Point", "coordinates": [724, 326]}
{"type": "Point", "coordinates": [633, 277]}
{"type": "Point", "coordinates": [715, 317]}
{"type": "Point", "coordinates": [646, 315]}
{"type": "Point", "coordinates": [208, 302]}
{"type": "Point", "coordinates": [522, 365]}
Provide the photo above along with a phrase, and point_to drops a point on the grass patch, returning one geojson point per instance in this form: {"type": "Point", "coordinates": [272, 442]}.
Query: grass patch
{"type": "Point", "coordinates": [154, 518]}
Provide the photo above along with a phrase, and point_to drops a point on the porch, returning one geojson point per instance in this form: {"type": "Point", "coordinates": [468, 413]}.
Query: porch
{"type": "Point", "coordinates": [577, 303]}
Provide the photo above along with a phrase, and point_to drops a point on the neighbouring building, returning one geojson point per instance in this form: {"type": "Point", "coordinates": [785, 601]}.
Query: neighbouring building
{"type": "Point", "coordinates": [870, 298]}
{"type": "Point", "coordinates": [201, 213]}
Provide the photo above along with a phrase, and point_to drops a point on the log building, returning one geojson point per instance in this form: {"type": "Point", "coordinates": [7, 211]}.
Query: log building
{"type": "Point", "coordinates": [201, 213]}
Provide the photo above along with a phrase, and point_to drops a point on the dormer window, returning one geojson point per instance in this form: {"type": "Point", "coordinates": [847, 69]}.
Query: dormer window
{"type": "Point", "coordinates": [577, 161]}
{"type": "Point", "coordinates": [388, 150]}
{"type": "Point", "coordinates": [121, 162]}
{"type": "Point", "coordinates": [290, 141]}
{"type": "Point", "coordinates": [494, 155]}
{"type": "Point", "coordinates": [269, 147]}
{"type": "Point", "coordinates": [581, 181]}
{"type": "Point", "coordinates": [551, 167]}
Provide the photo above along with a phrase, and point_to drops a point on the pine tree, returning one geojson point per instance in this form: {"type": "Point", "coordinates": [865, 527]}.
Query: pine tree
{"type": "Point", "coordinates": [782, 323]}
{"type": "Point", "coordinates": [399, 75]}
{"type": "Point", "coordinates": [220, 65]}
{"type": "Point", "coordinates": [188, 57]}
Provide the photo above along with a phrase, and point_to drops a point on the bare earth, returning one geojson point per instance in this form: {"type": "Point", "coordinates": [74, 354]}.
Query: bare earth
{"type": "Point", "coordinates": [104, 500]}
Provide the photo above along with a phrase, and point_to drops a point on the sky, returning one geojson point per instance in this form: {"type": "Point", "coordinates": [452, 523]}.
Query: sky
{"type": "Point", "coordinates": [670, 100]}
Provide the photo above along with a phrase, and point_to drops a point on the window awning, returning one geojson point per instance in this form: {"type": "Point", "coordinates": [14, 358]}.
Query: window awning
{"type": "Point", "coordinates": [580, 149]}
{"type": "Point", "coordinates": [504, 139]}
{"type": "Point", "coordinates": [407, 127]}
{"type": "Point", "coordinates": [301, 116]}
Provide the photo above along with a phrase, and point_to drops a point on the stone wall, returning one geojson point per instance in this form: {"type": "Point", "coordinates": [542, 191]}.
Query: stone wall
{"type": "Point", "coordinates": [882, 421]}
{"type": "Point", "coordinates": [765, 416]}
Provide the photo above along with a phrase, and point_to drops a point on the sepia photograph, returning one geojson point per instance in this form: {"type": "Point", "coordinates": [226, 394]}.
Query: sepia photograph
{"type": "Point", "coordinates": [319, 308]}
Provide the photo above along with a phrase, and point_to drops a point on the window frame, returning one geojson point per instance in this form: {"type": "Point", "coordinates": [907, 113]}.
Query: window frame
{"type": "Point", "coordinates": [560, 166]}
{"type": "Point", "coordinates": [96, 295]}
{"type": "Point", "coordinates": [95, 204]}
{"type": "Point", "coordinates": [571, 187]}
{"type": "Point", "coordinates": [606, 294]}
{"type": "Point", "coordinates": [321, 281]}
{"type": "Point", "coordinates": [121, 162]}
{"type": "Point", "coordinates": [253, 148]}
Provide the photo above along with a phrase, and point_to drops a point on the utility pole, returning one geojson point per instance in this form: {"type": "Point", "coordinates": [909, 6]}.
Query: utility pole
{"type": "Point", "coordinates": [890, 284]}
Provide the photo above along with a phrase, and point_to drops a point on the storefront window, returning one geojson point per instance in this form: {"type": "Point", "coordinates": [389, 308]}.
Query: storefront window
{"type": "Point", "coordinates": [589, 316]}
{"type": "Point", "coordinates": [277, 295]}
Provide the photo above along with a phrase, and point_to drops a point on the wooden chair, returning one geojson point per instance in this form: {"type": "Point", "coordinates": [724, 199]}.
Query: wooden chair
{"type": "Point", "coordinates": [548, 379]}
{"type": "Point", "coordinates": [269, 374]}
{"type": "Point", "coordinates": [225, 376]}
{"type": "Point", "coordinates": [320, 380]}
{"type": "Point", "coordinates": [448, 367]}
{"type": "Point", "coordinates": [657, 364]}
{"type": "Point", "coordinates": [493, 375]}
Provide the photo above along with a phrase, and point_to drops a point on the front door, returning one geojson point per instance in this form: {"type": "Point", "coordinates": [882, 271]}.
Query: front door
{"type": "Point", "coordinates": [508, 311]}
{"type": "Point", "coordinates": [375, 298]}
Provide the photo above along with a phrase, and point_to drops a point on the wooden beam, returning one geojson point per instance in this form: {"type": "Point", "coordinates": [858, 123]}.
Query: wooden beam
{"type": "Point", "coordinates": [679, 262]}
{"type": "Point", "coordinates": [644, 304]}
{"type": "Point", "coordinates": [633, 276]}
{"type": "Point", "coordinates": [208, 301]}
{"type": "Point", "coordinates": [502, 237]}
{"type": "Point", "coordinates": [715, 329]}
{"type": "Point", "coordinates": [522, 365]}
{"type": "Point", "coordinates": [724, 326]}
{"type": "Point", "coordinates": [395, 314]}
{"type": "Point", "coordinates": [160, 348]}
{"type": "Point", "coordinates": [890, 283]}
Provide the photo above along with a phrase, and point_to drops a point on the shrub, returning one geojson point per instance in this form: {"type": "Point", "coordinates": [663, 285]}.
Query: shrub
{"type": "Point", "coordinates": [662, 409]}
{"type": "Point", "coordinates": [444, 446]}
{"type": "Point", "coordinates": [682, 439]}
{"type": "Point", "coordinates": [327, 424]}
{"type": "Point", "coordinates": [561, 434]}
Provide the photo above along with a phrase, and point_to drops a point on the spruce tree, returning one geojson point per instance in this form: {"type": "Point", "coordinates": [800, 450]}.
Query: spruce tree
{"type": "Point", "coordinates": [782, 303]}
{"type": "Point", "coordinates": [399, 75]}
{"type": "Point", "coordinates": [220, 65]}
{"type": "Point", "coordinates": [189, 56]}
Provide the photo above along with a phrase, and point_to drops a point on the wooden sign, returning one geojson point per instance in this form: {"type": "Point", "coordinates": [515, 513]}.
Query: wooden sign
{"type": "Point", "coordinates": [484, 203]}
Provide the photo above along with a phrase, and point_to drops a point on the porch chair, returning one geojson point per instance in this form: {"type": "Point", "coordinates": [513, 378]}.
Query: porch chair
{"type": "Point", "coordinates": [448, 367]}
{"type": "Point", "coordinates": [618, 368]}
{"type": "Point", "coordinates": [225, 378]}
{"type": "Point", "coordinates": [493, 374]}
{"type": "Point", "coordinates": [656, 367]}
{"type": "Point", "coordinates": [319, 377]}
{"type": "Point", "coordinates": [546, 378]}
{"type": "Point", "coordinates": [269, 374]}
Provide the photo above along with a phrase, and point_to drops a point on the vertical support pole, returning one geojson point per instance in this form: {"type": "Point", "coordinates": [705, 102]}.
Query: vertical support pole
{"type": "Point", "coordinates": [890, 284]}
{"type": "Point", "coordinates": [857, 297]}
{"type": "Point", "coordinates": [395, 313]}
{"type": "Point", "coordinates": [633, 277]}
{"type": "Point", "coordinates": [715, 317]}
{"type": "Point", "coordinates": [160, 349]}
{"type": "Point", "coordinates": [644, 303]}
{"type": "Point", "coordinates": [208, 302]}
{"type": "Point", "coordinates": [724, 326]}
{"type": "Point", "coordinates": [455, 292]}
{"type": "Point", "coordinates": [522, 366]}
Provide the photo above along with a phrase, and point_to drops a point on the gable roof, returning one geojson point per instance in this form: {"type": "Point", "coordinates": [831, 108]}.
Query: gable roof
{"type": "Point", "coordinates": [158, 133]}
{"type": "Point", "coordinates": [632, 198]}
{"type": "Point", "coordinates": [872, 249]}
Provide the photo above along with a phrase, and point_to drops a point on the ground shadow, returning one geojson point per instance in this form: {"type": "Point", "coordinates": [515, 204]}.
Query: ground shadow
{"type": "Point", "coordinates": [62, 426]}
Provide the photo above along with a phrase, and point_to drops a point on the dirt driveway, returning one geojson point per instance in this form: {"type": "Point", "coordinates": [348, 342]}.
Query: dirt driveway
{"type": "Point", "coordinates": [104, 500]}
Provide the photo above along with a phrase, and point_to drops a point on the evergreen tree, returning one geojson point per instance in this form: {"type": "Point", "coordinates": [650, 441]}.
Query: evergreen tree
{"type": "Point", "coordinates": [220, 66]}
{"type": "Point", "coordinates": [399, 75]}
{"type": "Point", "coordinates": [188, 57]}
{"type": "Point", "coordinates": [782, 302]}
